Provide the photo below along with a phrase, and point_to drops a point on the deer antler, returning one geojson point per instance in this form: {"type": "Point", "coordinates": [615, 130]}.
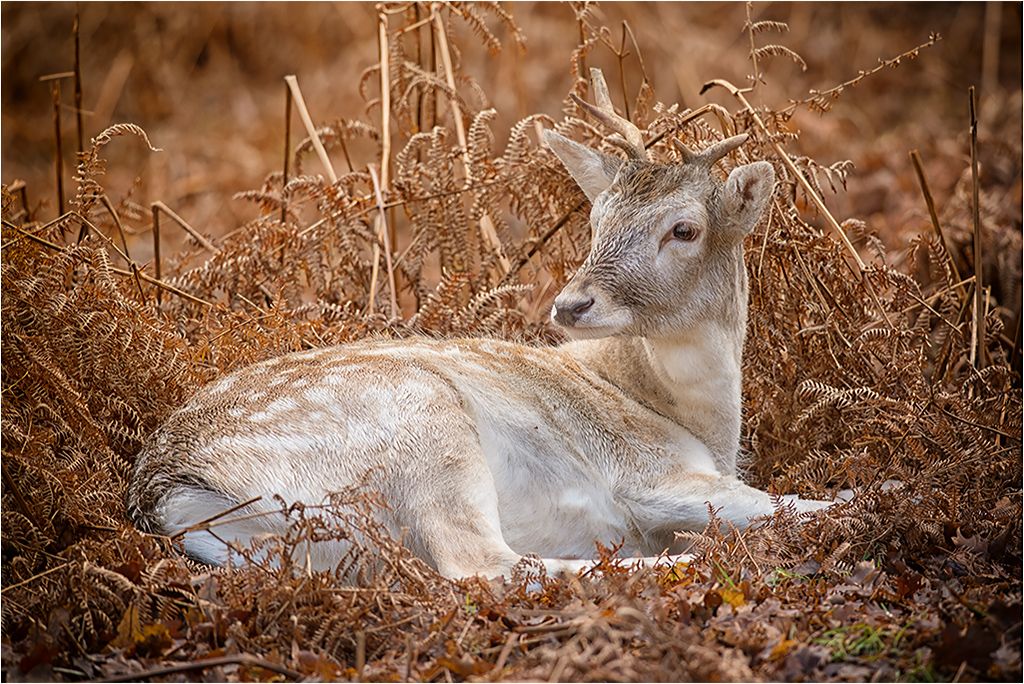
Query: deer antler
{"type": "Point", "coordinates": [712, 154]}
{"type": "Point", "coordinates": [631, 140]}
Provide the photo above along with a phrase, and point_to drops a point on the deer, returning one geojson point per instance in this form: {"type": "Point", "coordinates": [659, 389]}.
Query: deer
{"type": "Point", "coordinates": [491, 451]}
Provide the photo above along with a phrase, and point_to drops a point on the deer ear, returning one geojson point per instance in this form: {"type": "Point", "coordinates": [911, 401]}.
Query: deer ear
{"type": "Point", "coordinates": [592, 171]}
{"type": "Point", "coordinates": [747, 192]}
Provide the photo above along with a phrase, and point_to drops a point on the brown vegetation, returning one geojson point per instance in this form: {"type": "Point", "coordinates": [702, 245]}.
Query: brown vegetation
{"type": "Point", "coordinates": [868, 358]}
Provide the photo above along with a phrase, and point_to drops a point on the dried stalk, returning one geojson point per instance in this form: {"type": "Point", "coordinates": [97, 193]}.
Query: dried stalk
{"type": "Point", "coordinates": [382, 238]}
{"type": "Point", "coordinates": [119, 271]}
{"type": "Point", "coordinates": [919, 168]}
{"type": "Point", "coordinates": [58, 164]}
{"type": "Point", "coordinates": [241, 659]}
{"type": "Point", "coordinates": [37, 229]}
{"type": "Point", "coordinates": [78, 86]}
{"type": "Point", "coordinates": [287, 150]}
{"type": "Point", "coordinates": [487, 229]}
{"type": "Point", "coordinates": [206, 521]}
{"type": "Point", "coordinates": [826, 96]}
{"type": "Point", "coordinates": [156, 246]}
{"type": "Point", "coordinates": [209, 246]}
{"type": "Point", "coordinates": [385, 98]}
{"type": "Point", "coordinates": [124, 242]}
{"type": "Point", "coordinates": [756, 78]}
{"type": "Point", "coordinates": [979, 355]}
{"type": "Point", "coordinates": [314, 137]}
{"type": "Point", "coordinates": [105, 201]}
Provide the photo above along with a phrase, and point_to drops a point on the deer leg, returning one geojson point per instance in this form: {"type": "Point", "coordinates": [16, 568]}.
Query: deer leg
{"type": "Point", "coordinates": [683, 504]}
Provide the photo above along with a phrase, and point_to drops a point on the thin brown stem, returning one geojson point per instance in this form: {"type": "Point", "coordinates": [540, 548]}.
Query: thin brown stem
{"type": "Point", "coordinates": [156, 247]}
{"type": "Point", "coordinates": [287, 150]}
{"type": "Point", "coordinates": [119, 271]}
{"type": "Point", "coordinates": [196, 235]}
{"type": "Point", "coordinates": [78, 86]}
{"type": "Point", "coordinates": [37, 229]}
{"type": "Point", "coordinates": [826, 96]}
{"type": "Point", "coordinates": [753, 48]}
{"type": "Point", "coordinates": [923, 181]}
{"type": "Point", "coordinates": [108, 205]}
{"type": "Point", "coordinates": [385, 98]}
{"type": "Point", "coordinates": [382, 238]}
{"type": "Point", "coordinates": [241, 659]}
{"type": "Point", "coordinates": [206, 521]}
{"type": "Point", "coordinates": [979, 355]}
{"type": "Point", "coordinates": [417, 24]}
{"type": "Point", "coordinates": [385, 102]}
{"type": "Point", "coordinates": [124, 242]}
{"type": "Point", "coordinates": [58, 165]}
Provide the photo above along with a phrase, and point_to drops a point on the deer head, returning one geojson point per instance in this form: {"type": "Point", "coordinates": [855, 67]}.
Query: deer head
{"type": "Point", "coordinates": [666, 240]}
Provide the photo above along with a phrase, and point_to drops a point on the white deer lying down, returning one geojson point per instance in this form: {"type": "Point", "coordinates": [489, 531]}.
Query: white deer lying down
{"type": "Point", "coordinates": [488, 450]}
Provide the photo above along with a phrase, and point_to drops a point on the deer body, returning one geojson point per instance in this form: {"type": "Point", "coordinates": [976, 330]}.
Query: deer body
{"type": "Point", "coordinates": [489, 450]}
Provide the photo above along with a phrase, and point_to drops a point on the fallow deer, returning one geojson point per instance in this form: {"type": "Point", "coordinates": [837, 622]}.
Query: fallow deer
{"type": "Point", "coordinates": [488, 450]}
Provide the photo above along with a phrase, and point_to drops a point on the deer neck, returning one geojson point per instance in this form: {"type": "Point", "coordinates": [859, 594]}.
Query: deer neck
{"type": "Point", "coordinates": [693, 378]}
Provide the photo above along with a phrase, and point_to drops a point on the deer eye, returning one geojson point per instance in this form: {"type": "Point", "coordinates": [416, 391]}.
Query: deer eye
{"type": "Point", "coordinates": [685, 231]}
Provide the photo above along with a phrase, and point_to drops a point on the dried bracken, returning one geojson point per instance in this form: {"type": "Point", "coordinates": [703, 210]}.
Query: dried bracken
{"type": "Point", "coordinates": [853, 377]}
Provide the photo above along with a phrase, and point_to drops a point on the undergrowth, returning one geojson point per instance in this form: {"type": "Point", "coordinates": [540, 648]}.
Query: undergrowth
{"type": "Point", "coordinates": [856, 372]}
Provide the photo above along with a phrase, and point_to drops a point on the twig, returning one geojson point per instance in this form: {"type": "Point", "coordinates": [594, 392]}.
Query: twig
{"type": "Point", "coordinates": [382, 228]}
{"type": "Point", "coordinates": [979, 425]}
{"type": "Point", "coordinates": [156, 246]}
{"type": "Point", "coordinates": [33, 578]}
{"type": "Point", "coordinates": [118, 271]}
{"type": "Point", "coordinates": [38, 229]}
{"type": "Point", "coordinates": [105, 201]}
{"type": "Point", "coordinates": [124, 241]}
{"type": "Point", "coordinates": [209, 246]}
{"type": "Point", "coordinates": [487, 229]}
{"type": "Point", "coordinates": [637, 52]}
{"type": "Point", "coordinates": [931, 298]}
{"type": "Point", "coordinates": [979, 356]}
{"type": "Point", "coordinates": [919, 168]}
{"type": "Point", "coordinates": [59, 158]}
{"type": "Point", "coordinates": [194, 527]}
{"type": "Point", "coordinates": [385, 98]}
{"type": "Point", "coordinates": [314, 137]}
{"type": "Point", "coordinates": [287, 149]}
{"type": "Point", "coordinates": [753, 48]}
{"type": "Point", "coordinates": [820, 96]}
{"type": "Point", "coordinates": [384, 235]}
{"type": "Point", "coordinates": [78, 85]}
{"type": "Point", "coordinates": [241, 659]}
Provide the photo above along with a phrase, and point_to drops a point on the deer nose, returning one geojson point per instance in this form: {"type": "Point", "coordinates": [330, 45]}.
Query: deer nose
{"type": "Point", "coordinates": [568, 311]}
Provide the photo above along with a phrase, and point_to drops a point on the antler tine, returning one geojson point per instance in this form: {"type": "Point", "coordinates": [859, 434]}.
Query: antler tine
{"type": "Point", "coordinates": [689, 156]}
{"type": "Point", "coordinates": [632, 140]}
{"type": "Point", "coordinates": [712, 154]}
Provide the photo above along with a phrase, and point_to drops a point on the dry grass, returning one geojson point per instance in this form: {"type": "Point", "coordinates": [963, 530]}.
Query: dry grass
{"type": "Point", "coordinates": [860, 365]}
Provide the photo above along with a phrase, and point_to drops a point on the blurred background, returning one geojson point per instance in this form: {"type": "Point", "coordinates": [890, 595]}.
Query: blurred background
{"type": "Point", "coordinates": [205, 81]}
